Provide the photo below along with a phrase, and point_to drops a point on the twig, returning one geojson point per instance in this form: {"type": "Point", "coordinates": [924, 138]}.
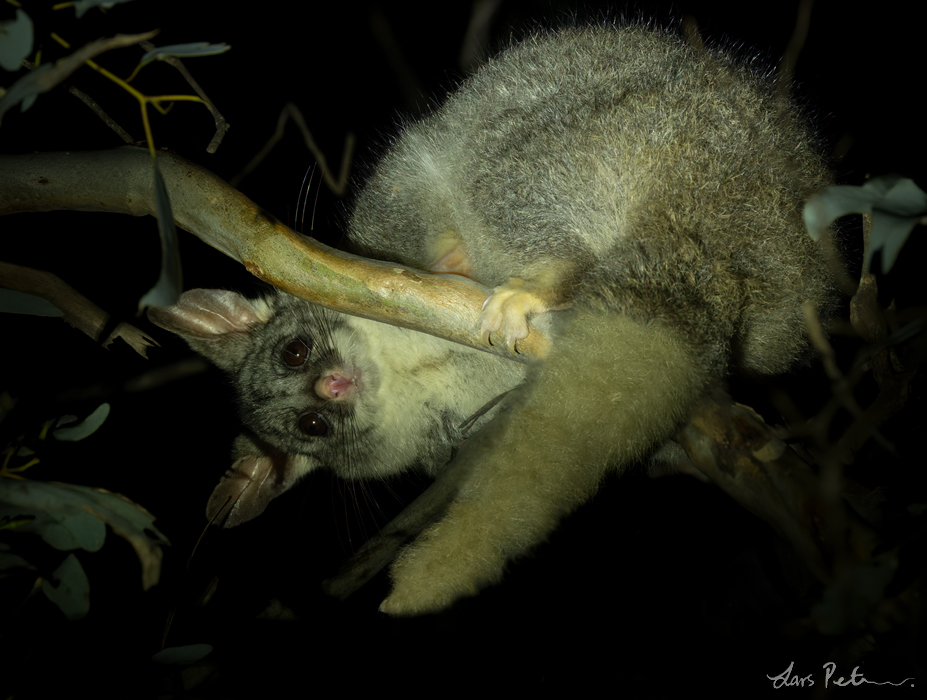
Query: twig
{"type": "Point", "coordinates": [51, 76]}
{"type": "Point", "coordinates": [108, 120]}
{"type": "Point", "coordinates": [291, 111]}
{"type": "Point", "coordinates": [79, 311]}
{"type": "Point", "coordinates": [222, 126]}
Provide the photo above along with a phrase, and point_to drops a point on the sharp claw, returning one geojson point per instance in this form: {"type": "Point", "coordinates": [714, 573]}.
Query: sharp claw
{"type": "Point", "coordinates": [506, 316]}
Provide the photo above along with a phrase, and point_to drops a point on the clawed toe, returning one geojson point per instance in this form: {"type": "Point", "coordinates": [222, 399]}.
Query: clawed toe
{"type": "Point", "coordinates": [504, 319]}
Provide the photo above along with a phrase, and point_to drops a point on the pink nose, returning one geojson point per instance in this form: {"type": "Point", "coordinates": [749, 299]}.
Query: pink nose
{"type": "Point", "coordinates": [334, 386]}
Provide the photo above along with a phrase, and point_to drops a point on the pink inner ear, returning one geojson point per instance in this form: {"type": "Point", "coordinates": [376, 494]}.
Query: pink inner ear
{"type": "Point", "coordinates": [207, 313]}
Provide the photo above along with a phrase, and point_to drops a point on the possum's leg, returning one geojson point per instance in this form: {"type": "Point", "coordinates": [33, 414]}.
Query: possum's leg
{"type": "Point", "coordinates": [610, 389]}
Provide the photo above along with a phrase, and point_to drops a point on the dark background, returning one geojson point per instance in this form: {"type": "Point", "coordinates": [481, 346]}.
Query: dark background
{"type": "Point", "coordinates": [655, 585]}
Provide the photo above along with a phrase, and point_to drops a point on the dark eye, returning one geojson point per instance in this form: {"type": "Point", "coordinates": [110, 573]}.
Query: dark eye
{"type": "Point", "coordinates": [295, 353]}
{"type": "Point", "coordinates": [313, 425]}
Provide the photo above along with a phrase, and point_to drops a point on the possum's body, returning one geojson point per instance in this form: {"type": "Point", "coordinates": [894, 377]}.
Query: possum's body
{"type": "Point", "coordinates": [653, 190]}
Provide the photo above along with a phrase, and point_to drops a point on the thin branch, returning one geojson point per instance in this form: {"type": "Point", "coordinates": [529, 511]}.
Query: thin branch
{"type": "Point", "coordinates": [222, 126]}
{"type": "Point", "coordinates": [58, 72]}
{"type": "Point", "coordinates": [98, 110]}
{"type": "Point", "coordinates": [79, 311]}
{"type": "Point", "coordinates": [291, 111]}
{"type": "Point", "coordinates": [732, 446]}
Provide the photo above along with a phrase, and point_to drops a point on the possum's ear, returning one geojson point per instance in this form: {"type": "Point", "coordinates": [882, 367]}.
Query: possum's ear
{"type": "Point", "coordinates": [215, 322]}
{"type": "Point", "coordinates": [255, 478]}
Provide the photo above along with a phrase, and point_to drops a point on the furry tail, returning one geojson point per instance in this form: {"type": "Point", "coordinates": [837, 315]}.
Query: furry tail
{"type": "Point", "coordinates": [610, 390]}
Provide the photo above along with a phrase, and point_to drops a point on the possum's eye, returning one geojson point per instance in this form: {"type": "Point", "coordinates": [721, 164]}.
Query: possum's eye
{"type": "Point", "coordinates": [313, 425]}
{"type": "Point", "coordinates": [295, 353]}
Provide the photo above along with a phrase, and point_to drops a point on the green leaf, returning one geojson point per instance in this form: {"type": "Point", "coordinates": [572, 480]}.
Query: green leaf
{"type": "Point", "coordinates": [166, 291]}
{"type": "Point", "coordinates": [16, 39]}
{"type": "Point", "coordinates": [86, 427]}
{"type": "Point", "coordinates": [12, 561]}
{"type": "Point", "coordinates": [11, 523]}
{"type": "Point", "coordinates": [56, 518]}
{"type": "Point", "coordinates": [70, 590]}
{"type": "Point", "coordinates": [14, 302]}
{"type": "Point", "coordinates": [895, 203]}
{"type": "Point", "coordinates": [25, 90]}
{"type": "Point", "coordinates": [68, 516]}
{"type": "Point", "coordinates": [190, 50]}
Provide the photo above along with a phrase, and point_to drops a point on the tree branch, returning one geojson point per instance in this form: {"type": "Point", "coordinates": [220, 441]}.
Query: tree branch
{"type": "Point", "coordinates": [77, 309]}
{"type": "Point", "coordinates": [120, 181]}
{"type": "Point", "coordinates": [733, 446]}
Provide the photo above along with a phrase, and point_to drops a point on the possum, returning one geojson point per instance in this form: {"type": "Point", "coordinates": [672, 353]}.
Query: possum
{"type": "Point", "coordinates": [642, 194]}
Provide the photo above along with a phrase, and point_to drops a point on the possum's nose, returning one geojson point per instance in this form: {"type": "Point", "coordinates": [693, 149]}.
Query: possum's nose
{"type": "Point", "coordinates": [336, 386]}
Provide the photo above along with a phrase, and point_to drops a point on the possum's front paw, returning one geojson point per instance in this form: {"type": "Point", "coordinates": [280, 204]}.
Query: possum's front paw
{"type": "Point", "coordinates": [447, 562]}
{"type": "Point", "coordinates": [505, 313]}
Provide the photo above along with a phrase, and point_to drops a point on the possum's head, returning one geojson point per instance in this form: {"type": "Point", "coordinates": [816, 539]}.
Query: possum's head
{"type": "Point", "coordinates": [318, 388]}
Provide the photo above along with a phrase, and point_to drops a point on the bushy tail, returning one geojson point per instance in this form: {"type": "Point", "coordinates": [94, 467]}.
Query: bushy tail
{"type": "Point", "coordinates": [610, 390]}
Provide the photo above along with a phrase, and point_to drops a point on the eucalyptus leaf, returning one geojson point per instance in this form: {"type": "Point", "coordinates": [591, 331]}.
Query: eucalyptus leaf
{"type": "Point", "coordinates": [16, 40]}
{"type": "Point", "coordinates": [86, 427]}
{"type": "Point", "coordinates": [13, 561]}
{"type": "Point", "coordinates": [11, 522]}
{"type": "Point", "coordinates": [166, 291]}
{"type": "Point", "coordinates": [14, 302]}
{"type": "Point", "coordinates": [896, 205]}
{"type": "Point", "coordinates": [60, 522]}
{"type": "Point", "coordinates": [72, 516]}
{"type": "Point", "coordinates": [25, 90]}
{"type": "Point", "coordinates": [189, 50]}
{"type": "Point", "coordinates": [70, 590]}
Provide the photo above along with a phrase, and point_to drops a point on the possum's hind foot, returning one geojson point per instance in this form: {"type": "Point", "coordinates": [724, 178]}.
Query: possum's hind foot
{"type": "Point", "coordinates": [505, 313]}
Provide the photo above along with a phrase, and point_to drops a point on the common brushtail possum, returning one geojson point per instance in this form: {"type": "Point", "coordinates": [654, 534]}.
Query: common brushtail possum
{"type": "Point", "coordinates": [648, 191]}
